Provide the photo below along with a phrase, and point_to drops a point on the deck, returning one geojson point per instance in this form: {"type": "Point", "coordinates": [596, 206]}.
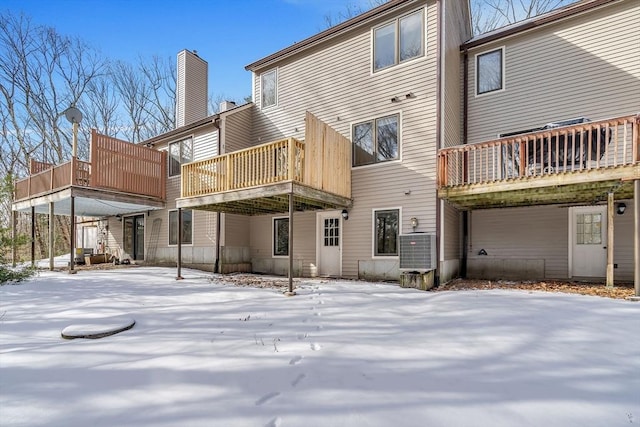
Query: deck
{"type": "Point", "coordinates": [121, 176]}
{"type": "Point", "coordinates": [572, 164]}
{"type": "Point", "coordinates": [259, 179]}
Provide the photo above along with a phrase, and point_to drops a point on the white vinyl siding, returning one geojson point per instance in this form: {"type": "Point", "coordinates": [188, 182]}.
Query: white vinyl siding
{"type": "Point", "coordinates": [340, 75]}
{"type": "Point", "coordinates": [584, 66]}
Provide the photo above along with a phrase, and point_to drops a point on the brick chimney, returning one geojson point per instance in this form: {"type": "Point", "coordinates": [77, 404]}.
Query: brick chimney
{"type": "Point", "coordinates": [191, 88]}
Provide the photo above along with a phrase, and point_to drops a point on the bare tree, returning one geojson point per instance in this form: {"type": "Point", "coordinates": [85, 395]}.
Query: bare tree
{"type": "Point", "coordinates": [488, 15]}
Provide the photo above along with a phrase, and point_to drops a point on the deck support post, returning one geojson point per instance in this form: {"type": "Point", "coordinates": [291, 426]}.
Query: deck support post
{"type": "Point", "coordinates": [51, 235]}
{"type": "Point", "coordinates": [179, 273]}
{"type": "Point", "coordinates": [610, 230]}
{"type": "Point", "coordinates": [33, 236]}
{"type": "Point", "coordinates": [14, 238]}
{"type": "Point", "coordinates": [72, 237]}
{"type": "Point", "coordinates": [290, 292]}
{"type": "Point", "coordinates": [636, 234]}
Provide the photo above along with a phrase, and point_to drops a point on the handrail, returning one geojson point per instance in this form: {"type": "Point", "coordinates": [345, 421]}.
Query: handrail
{"type": "Point", "coordinates": [115, 165]}
{"type": "Point", "coordinates": [586, 146]}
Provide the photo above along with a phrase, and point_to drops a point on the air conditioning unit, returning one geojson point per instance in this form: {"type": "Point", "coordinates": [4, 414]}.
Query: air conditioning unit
{"type": "Point", "coordinates": [418, 252]}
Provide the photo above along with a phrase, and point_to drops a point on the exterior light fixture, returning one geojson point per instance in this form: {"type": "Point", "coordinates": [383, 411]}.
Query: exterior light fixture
{"type": "Point", "coordinates": [345, 214]}
{"type": "Point", "coordinates": [620, 208]}
{"type": "Point", "coordinates": [414, 223]}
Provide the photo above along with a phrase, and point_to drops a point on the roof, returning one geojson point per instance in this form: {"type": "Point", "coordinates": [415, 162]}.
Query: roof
{"type": "Point", "coordinates": [535, 22]}
{"type": "Point", "coordinates": [329, 33]}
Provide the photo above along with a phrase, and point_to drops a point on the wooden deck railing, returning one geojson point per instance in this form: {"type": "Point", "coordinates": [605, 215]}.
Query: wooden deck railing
{"type": "Point", "coordinates": [115, 165]}
{"type": "Point", "coordinates": [323, 162]}
{"type": "Point", "coordinates": [260, 165]}
{"type": "Point", "coordinates": [587, 146]}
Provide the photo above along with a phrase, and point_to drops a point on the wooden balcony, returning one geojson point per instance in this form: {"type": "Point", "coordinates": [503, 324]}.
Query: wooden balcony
{"type": "Point", "coordinates": [120, 174]}
{"type": "Point", "coordinates": [572, 164]}
{"type": "Point", "coordinates": [259, 179]}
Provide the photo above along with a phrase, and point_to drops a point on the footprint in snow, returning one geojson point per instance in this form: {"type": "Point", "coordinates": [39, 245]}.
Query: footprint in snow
{"type": "Point", "coordinates": [295, 360]}
{"type": "Point", "coordinates": [319, 327]}
{"type": "Point", "coordinates": [317, 313]}
{"type": "Point", "coordinates": [302, 336]}
{"type": "Point", "coordinates": [267, 397]}
{"type": "Point", "coordinates": [276, 422]}
{"type": "Point", "coordinates": [315, 346]}
{"type": "Point", "coordinates": [299, 378]}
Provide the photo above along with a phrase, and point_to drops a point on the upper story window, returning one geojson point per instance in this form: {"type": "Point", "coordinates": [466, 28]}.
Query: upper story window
{"type": "Point", "coordinates": [179, 152]}
{"type": "Point", "coordinates": [375, 141]}
{"type": "Point", "coordinates": [398, 41]}
{"type": "Point", "coordinates": [490, 71]}
{"type": "Point", "coordinates": [269, 88]}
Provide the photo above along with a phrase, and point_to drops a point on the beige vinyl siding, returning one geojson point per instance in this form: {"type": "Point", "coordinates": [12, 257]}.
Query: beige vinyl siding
{"type": "Point", "coordinates": [236, 129]}
{"type": "Point", "coordinates": [531, 233]}
{"type": "Point", "coordinates": [236, 230]}
{"type": "Point", "coordinates": [205, 145]}
{"type": "Point", "coordinates": [336, 84]}
{"type": "Point", "coordinates": [191, 98]}
{"type": "Point", "coordinates": [623, 244]}
{"type": "Point", "coordinates": [455, 33]}
{"type": "Point", "coordinates": [304, 248]}
{"type": "Point", "coordinates": [452, 245]}
{"type": "Point", "coordinates": [585, 66]}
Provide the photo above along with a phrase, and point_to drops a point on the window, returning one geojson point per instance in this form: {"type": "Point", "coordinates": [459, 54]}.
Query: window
{"type": "Point", "coordinates": [386, 228]}
{"type": "Point", "coordinates": [280, 236]}
{"type": "Point", "coordinates": [589, 229]}
{"type": "Point", "coordinates": [375, 141]}
{"type": "Point", "coordinates": [187, 227]}
{"type": "Point", "coordinates": [398, 41]}
{"type": "Point", "coordinates": [489, 71]}
{"type": "Point", "coordinates": [269, 88]}
{"type": "Point", "coordinates": [179, 152]}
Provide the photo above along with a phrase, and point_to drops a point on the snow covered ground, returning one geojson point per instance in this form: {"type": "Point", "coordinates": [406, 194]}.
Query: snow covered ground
{"type": "Point", "coordinates": [339, 353]}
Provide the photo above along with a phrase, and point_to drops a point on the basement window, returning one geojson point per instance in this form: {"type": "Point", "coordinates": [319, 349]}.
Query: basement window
{"type": "Point", "coordinates": [386, 225]}
{"type": "Point", "coordinates": [187, 227]}
{"type": "Point", "coordinates": [281, 236]}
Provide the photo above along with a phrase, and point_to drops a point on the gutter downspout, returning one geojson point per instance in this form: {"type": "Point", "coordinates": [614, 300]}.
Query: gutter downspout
{"type": "Point", "coordinates": [216, 268]}
{"type": "Point", "coordinates": [439, 204]}
{"type": "Point", "coordinates": [465, 110]}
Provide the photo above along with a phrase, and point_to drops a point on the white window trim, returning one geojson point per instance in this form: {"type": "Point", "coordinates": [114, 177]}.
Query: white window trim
{"type": "Point", "coordinates": [193, 221]}
{"type": "Point", "coordinates": [378, 164]}
{"type": "Point", "coordinates": [373, 71]}
{"type": "Point", "coordinates": [504, 71]}
{"type": "Point", "coordinates": [277, 73]}
{"type": "Point", "coordinates": [191, 136]}
{"type": "Point", "coordinates": [373, 232]}
{"type": "Point", "coordinates": [273, 236]}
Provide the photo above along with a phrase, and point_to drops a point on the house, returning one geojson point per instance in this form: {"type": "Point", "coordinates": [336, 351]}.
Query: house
{"type": "Point", "coordinates": [545, 192]}
{"type": "Point", "coordinates": [394, 142]}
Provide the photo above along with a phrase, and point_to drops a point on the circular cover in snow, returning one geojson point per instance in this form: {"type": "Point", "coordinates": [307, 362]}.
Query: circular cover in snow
{"type": "Point", "coordinates": [98, 328]}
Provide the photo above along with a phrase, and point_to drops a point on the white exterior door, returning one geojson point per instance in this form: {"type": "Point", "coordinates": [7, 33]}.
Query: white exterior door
{"type": "Point", "coordinates": [329, 243]}
{"type": "Point", "coordinates": [589, 241]}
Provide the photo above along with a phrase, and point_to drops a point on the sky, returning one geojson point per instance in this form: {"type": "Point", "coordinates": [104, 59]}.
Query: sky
{"type": "Point", "coordinates": [204, 352]}
{"type": "Point", "coordinates": [228, 34]}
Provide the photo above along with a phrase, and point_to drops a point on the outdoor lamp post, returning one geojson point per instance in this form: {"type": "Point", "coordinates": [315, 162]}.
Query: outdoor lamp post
{"type": "Point", "coordinates": [75, 117]}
